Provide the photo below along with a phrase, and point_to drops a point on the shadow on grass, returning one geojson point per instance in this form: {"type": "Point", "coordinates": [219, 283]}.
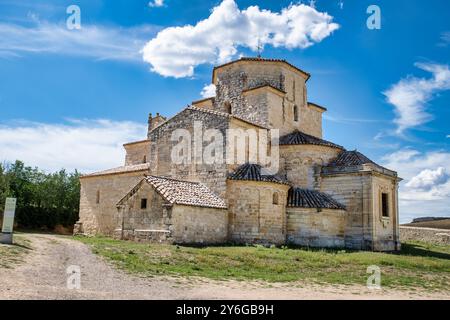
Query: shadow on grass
{"type": "Point", "coordinates": [408, 249]}
{"type": "Point", "coordinates": [411, 249]}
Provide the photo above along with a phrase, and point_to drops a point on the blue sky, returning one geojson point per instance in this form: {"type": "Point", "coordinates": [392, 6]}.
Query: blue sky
{"type": "Point", "coordinates": [387, 90]}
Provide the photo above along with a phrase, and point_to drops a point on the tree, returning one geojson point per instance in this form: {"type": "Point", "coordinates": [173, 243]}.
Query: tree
{"type": "Point", "coordinates": [43, 199]}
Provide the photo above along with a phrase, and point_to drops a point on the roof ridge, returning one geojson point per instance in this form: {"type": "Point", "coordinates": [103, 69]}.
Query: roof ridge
{"type": "Point", "coordinates": [119, 169]}
{"type": "Point", "coordinates": [310, 198]}
{"type": "Point", "coordinates": [252, 172]}
{"type": "Point", "coordinates": [308, 75]}
{"type": "Point", "coordinates": [220, 113]}
{"type": "Point", "coordinates": [298, 137]}
{"type": "Point", "coordinates": [172, 179]}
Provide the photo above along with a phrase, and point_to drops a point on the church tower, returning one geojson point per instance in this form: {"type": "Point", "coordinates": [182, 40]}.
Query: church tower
{"type": "Point", "coordinates": [269, 92]}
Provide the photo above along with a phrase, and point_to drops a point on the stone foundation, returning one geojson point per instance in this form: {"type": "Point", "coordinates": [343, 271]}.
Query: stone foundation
{"type": "Point", "coordinates": [142, 235]}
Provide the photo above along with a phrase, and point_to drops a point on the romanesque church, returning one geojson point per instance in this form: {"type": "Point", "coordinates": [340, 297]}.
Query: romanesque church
{"type": "Point", "coordinates": [322, 195]}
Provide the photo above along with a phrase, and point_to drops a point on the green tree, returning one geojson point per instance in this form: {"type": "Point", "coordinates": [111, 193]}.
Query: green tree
{"type": "Point", "coordinates": [43, 199]}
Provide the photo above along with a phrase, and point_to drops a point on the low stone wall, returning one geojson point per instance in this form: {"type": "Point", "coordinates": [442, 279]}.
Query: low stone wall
{"type": "Point", "coordinates": [439, 236]}
{"type": "Point", "coordinates": [155, 236]}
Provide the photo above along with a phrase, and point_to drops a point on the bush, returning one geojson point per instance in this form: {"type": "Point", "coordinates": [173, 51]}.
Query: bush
{"type": "Point", "coordinates": [44, 200]}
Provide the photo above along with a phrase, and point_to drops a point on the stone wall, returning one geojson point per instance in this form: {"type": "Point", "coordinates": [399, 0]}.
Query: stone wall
{"type": "Point", "coordinates": [199, 225]}
{"type": "Point", "coordinates": [355, 192]}
{"type": "Point", "coordinates": [108, 189]}
{"type": "Point", "coordinates": [316, 228]}
{"type": "Point", "coordinates": [263, 108]}
{"type": "Point", "coordinates": [253, 216]}
{"type": "Point", "coordinates": [153, 217]}
{"type": "Point", "coordinates": [301, 163]}
{"type": "Point", "coordinates": [438, 236]}
{"type": "Point", "coordinates": [360, 192]}
{"type": "Point", "coordinates": [311, 121]}
{"type": "Point", "coordinates": [385, 229]}
{"type": "Point", "coordinates": [137, 153]}
{"type": "Point", "coordinates": [212, 175]}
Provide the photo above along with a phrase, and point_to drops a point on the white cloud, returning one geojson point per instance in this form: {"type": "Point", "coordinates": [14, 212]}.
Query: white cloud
{"type": "Point", "coordinates": [208, 91]}
{"type": "Point", "coordinates": [156, 3]}
{"type": "Point", "coordinates": [86, 145]}
{"type": "Point", "coordinates": [99, 42]}
{"type": "Point", "coordinates": [410, 95]}
{"type": "Point", "coordinates": [425, 190]}
{"type": "Point", "coordinates": [445, 39]}
{"type": "Point", "coordinates": [176, 51]}
{"type": "Point", "coordinates": [427, 179]}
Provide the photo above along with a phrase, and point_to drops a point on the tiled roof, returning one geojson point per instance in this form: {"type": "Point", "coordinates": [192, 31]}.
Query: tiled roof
{"type": "Point", "coordinates": [353, 161]}
{"type": "Point", "coordinates": [185, 192]}
{"type": "Point", "coordinates": [298, 137]}
{"type": "Point", "coordinates": [305, 198]}
{"type": "Point", "coordinates": [252, 172]}
{"type": "Point", "coordinates": [262, 60]}
{"type": "Point", "coordinates": [350, 158]}
{"type": "Point", "coordinates": [123, 169]}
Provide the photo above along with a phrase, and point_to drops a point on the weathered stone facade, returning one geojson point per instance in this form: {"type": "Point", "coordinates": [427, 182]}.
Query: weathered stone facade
{"type": "Point", "coordinates": [322, 194]}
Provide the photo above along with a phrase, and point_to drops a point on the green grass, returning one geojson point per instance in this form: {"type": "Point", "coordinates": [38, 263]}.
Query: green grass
{"type": "Point", "coordinates": [11, 255]}
{"type": "Point", "coordinates": [417, 265]}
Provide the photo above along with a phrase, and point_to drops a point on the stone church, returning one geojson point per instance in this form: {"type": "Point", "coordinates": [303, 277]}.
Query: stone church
{"type": "Point", "coordinates": [321, 196]}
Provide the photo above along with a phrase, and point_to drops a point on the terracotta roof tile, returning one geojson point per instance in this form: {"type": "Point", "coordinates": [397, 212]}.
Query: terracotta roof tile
{"type": "Point", "coordinates": [298, 137]}
{"type": "Point", "coordinates": [252, 172]}
{"type": "Point", "coordinates": [185, 192]}
{"type": "Point", "coordinates": [122, 169]}
{"type": "Point", "coordinates": [350, 158]}
{"type": "Point", "coordinates": [304, 198]}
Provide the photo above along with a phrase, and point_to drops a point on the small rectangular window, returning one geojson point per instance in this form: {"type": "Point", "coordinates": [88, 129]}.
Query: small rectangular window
{"type": "Point", "coordinates": [97, 200]}
{"type": "Point", "coordinates": [384, 205]}
{"type": "Point", "coordinates": [143, 203]}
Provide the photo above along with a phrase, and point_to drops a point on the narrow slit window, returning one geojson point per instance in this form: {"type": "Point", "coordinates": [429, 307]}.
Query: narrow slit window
{"type": "Point", "coordinates": [227, 106]}
{"type": "Point", "coordinates": [275, 199]}
{"type": "Point", "coordinates": [97, 198]}
{"type": "Point", "coordinates": [143, 203]}
{"type": "Point", "coordinates": [384, 205]}
{"type": "Point", "coordinates": [295, 113]}
{"type": "Point", "coordinates": [145, 159]}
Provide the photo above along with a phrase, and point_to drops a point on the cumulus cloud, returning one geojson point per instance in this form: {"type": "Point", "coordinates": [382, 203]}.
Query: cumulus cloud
{"type": "Point", "coordinates": [425, 190]}
{"type": "Point", "coordinates": [176, 51]}
{"type": "Point", "coordinates": [208, 91]}
{"type": "Point", "coordinates": [156, 3]}
{"type": "Point", "coordinates": [410, 95]}
{"type": "Point", "coordinates": [427, 179]}
{"type": "Point", "coordinates": [86, 145]}
{"type": "Point", "coordinates": [98, 42]}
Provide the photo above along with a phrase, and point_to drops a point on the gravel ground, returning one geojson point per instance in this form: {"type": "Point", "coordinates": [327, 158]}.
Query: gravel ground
{"type": "Point", "coordinates": [43, 276]}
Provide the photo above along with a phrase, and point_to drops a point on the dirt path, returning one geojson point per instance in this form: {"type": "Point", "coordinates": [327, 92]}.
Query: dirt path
{"type": "Point", "coordinates": [43, 276]}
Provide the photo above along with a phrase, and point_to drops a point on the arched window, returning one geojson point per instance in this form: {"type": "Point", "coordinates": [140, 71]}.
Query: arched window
{"type": "Point", "coordinates": [295, 113]}
{"type": "Point", "coordinates": [97, 200]}
{"type": "Point", "coordinates": [275, 199]}
{"type": "Point", "coordinates": [227, 107]}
